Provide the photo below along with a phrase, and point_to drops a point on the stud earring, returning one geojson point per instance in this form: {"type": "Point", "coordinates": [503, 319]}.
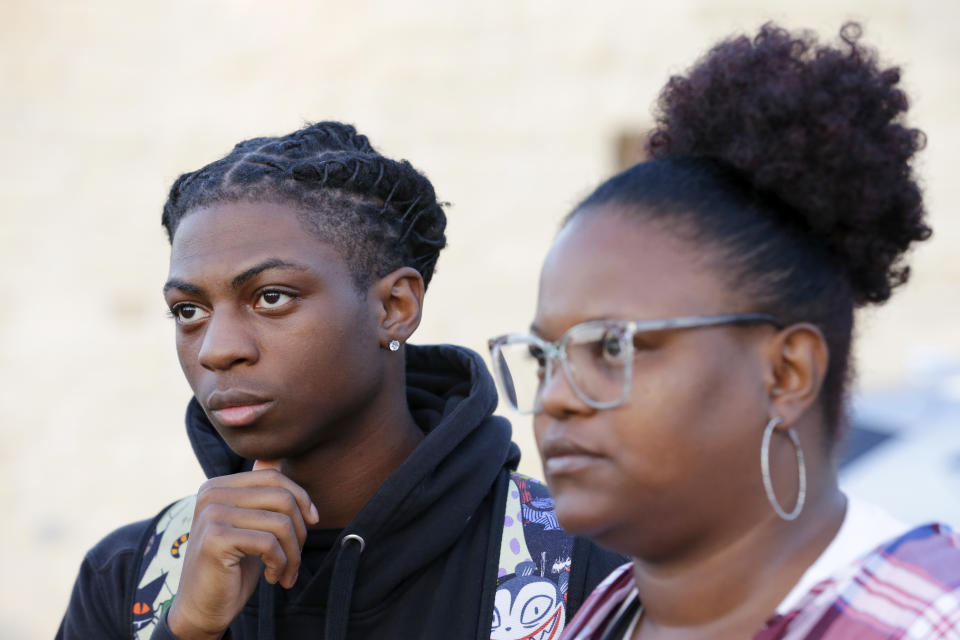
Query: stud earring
{"type": "Point", "coordinates": [394, 345]}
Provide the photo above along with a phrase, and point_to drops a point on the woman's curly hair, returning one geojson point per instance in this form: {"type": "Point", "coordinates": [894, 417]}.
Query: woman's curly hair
{"type": "Point", "coordinates": [790, 160]}
{"type": "Point", "coordinates": [818, 128]}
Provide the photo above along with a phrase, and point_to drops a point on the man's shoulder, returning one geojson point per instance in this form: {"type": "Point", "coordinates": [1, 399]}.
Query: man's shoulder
{"type": "Point", "coordinates": [123, 543]}
{"type": "Point", "coordinates": [104, 587]}
{"type": "Point", "coordinates": [530, 508]}
{"type": "Point", "coordinates": [535, 550]}
{"type": "Point", "coordinates": [118, 544]}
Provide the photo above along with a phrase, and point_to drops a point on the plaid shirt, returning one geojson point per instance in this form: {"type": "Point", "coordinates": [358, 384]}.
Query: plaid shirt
{"type": "Point", "coordinates": [906, 589]}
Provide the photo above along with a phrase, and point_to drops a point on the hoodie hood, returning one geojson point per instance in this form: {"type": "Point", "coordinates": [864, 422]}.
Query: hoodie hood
{"type": "Point", "coordinates": [432, 495]}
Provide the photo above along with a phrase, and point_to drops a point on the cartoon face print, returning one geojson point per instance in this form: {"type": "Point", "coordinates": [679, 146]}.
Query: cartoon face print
{"type": "Point", "coordinates": [527, 607]}
{"type": "Point", "coordinates": [143, 608]}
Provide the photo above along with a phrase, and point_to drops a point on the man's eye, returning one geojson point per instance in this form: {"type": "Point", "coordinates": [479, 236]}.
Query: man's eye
{"type": "Point", "coordinates": [272, 299]}
{"type": "Point", "coordinates": [186, 314]}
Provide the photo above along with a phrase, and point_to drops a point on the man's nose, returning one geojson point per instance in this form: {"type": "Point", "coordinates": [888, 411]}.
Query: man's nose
{"type": "Point", "coordinates": [227, 341]}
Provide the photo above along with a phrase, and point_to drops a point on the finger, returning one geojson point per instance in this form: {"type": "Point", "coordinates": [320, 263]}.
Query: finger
{"type": "Point", "coordinates": [235, 544]}
{"type": "Point", "coordinates": [218, 504]}
{"type": "Point", "coordinates": [265, 478]}
{"type": "Point", "coordinates": [259, 465]}
{"type": "Point", "coordinates": [280, 525]}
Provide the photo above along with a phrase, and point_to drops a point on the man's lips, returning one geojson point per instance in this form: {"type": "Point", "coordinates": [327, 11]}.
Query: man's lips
{"type": "Point", "coordinates": [241, 415]}
{"type": "Point", "coordinates": [234, 408]}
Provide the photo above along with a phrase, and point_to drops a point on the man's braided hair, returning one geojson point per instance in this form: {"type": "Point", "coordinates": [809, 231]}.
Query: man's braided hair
{"type": "Point", "coordinates": [382, 214]}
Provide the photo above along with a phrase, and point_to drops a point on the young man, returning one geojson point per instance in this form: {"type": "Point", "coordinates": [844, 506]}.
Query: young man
{"type": "Point", "coordinates": [359, 487]}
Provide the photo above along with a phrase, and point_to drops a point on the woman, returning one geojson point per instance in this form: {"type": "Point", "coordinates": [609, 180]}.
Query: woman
{"type": "Point", "coordinates": [381, 490]}
{"type": "Point", "coordinates": [690, 356]}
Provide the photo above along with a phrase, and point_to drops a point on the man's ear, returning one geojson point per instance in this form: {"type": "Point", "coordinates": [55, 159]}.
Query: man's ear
{"type": "Point", "coordinates": [798, 357]}
{"type": "Point", "coordinates": [399, 297]}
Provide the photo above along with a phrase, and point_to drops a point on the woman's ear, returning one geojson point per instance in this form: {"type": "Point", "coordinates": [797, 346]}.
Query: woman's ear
{"type": "Point", "coordinates": [399, 296]}
{"type": "Point", "coordinates": [798, 358]}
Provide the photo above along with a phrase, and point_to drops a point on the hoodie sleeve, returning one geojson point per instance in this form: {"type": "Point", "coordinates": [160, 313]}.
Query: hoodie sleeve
{"type": "Point", "coordinates": [102, 592]}
{"type": "Point", "coordinates": [162, 630]}
{"type": "Point", "coordinates": [591, 564]}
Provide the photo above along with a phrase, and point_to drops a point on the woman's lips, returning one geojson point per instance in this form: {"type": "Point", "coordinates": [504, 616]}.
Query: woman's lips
{"type": "Point", "coordinates": [241, 415]}
{"type": "Point", "coordinates": [568, 463]}
{"type": "Point", "coordinates": [562, 456]}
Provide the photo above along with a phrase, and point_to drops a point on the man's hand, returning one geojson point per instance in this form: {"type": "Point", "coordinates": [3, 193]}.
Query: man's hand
{"type": "Point", "coordinates": [243, 524]}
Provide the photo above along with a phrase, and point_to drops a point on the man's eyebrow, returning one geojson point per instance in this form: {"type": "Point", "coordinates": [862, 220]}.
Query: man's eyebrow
{"type": "Point", "coordinates": [240, 279]}
{"type": "Point", "coordinates": [186, 287]}
{"type": "Point", "coordinates": [270, 263]}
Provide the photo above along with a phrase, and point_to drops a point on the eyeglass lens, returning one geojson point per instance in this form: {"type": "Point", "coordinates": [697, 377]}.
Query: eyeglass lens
{"type": "Point", "coordinates": [596, 365]}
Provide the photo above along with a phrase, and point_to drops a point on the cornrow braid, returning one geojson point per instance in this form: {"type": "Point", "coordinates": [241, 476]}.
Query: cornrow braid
{"type": "Point", "coordinates": [381, 213]}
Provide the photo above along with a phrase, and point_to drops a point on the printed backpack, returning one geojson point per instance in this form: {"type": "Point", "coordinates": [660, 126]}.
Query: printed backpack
{"type": "Point", "coordinates": [533, 574]}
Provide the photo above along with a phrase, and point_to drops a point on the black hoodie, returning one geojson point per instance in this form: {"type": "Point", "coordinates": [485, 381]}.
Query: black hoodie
{"type": "Point", "coordinates": [428, 565]}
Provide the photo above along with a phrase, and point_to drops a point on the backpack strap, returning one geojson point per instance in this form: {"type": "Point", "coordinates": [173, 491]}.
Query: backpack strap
{"type": "Point", "coordinates": [534, 565]}
{"type": "Point", "coordinates": [535, 560]}
{"type": "Point", "coordinates": [161, 561]}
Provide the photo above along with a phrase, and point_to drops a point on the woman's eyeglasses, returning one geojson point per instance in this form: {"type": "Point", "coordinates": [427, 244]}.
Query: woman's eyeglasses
{"type": "Point", "coordinates": [596, 358]}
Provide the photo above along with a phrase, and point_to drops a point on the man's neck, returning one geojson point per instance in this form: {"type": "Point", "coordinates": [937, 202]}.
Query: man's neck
{"type": "Point", "coordinates": [342, 476]}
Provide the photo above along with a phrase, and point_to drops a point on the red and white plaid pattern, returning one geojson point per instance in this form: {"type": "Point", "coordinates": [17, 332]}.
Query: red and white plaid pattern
{"type": "Point", "coordinates": [906, 589]}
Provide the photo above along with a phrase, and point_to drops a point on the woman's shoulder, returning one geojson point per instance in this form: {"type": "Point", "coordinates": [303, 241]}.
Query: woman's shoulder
{"type": "Point", "coordinates": [907, 587]}
{"type": "Point", "coordinates": [925, 559]}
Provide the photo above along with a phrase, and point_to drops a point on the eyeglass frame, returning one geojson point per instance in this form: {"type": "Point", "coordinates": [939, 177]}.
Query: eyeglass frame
{"type": "Point", "coordinates": [557, 350]}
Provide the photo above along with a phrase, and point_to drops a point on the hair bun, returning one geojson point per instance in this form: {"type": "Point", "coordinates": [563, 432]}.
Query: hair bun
{"type": "Point", "coordinates": [817, 128]}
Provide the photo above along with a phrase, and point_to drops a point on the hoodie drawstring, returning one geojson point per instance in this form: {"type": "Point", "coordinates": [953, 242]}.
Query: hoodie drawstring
{"type": "Point", "coordinates": [266, 628]}
{"type": "Point", "coordinates": [338, 601]}
{"type": "Point", "coordinates": [341, 586]}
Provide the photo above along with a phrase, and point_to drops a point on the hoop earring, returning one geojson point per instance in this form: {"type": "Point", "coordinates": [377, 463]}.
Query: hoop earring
{"type": "Point", "coordinates": [394, 345]}
{"type": "Point", "coordinates": [765, 470]}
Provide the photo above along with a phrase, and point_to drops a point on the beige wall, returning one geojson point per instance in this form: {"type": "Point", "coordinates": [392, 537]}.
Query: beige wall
{"type": "Point", "coordinates": [512, 108]}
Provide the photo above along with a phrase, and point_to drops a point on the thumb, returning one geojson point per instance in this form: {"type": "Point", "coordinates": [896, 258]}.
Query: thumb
{"type": "Point", "coordinates": [267, 464]}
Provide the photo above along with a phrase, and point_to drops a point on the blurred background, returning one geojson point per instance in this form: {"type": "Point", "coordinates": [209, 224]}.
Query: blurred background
{"type": "Point", "coordinates": [513, 109]}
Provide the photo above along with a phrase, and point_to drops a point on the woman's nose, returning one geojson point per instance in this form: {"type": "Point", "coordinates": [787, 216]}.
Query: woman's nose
{"type": "Point", "coordinates": [557, 396]}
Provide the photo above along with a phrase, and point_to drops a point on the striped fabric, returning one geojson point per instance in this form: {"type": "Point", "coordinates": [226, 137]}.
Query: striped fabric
{"type": "Point", "coordinates": [906, 589]}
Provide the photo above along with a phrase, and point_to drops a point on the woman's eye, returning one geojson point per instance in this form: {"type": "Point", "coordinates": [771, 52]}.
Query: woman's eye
{"type": "Point", "coordinates": [538, 356]}
{"type": "Point", "coordinates": [644, 341]}
{"type": "Point", "coordinates": [614, 348]}
{"type": "Point", "coordinates": [273, 299]}
{"type": "Point", "coordinates": [186, 314]}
